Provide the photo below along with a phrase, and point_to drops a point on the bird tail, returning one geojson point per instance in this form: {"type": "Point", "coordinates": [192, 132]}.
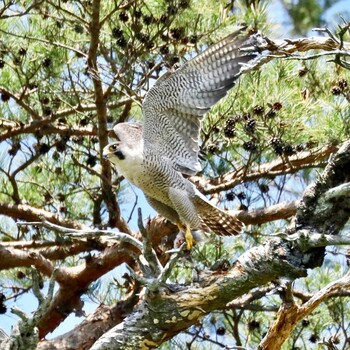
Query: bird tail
{"type": "Point", "coordinates": [219, 221]}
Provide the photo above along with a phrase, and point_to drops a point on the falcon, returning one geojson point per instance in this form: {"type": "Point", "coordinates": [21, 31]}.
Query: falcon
{"type": "Point", "coordinates": [155, 156]}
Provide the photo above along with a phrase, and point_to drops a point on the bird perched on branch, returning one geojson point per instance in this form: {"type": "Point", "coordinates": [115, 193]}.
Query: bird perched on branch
{"type": "Point", "coordinates": [154, 156]}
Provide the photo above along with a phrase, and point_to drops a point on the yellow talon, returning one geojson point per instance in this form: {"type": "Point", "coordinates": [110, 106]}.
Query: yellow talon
{"type": "Point", "coordinates": [189, 238]}
{"type": "Point", "coordinates": [188, 235]}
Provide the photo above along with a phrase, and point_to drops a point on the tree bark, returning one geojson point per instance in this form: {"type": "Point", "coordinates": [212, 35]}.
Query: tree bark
{"type": "Point", "coordinates": [166, 313]}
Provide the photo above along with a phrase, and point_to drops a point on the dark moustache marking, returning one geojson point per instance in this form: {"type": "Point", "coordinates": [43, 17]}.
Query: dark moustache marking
{"type": "Point", "coordinates": [119, 154]}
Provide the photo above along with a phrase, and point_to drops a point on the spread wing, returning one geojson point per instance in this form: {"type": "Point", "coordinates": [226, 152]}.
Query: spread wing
{"type": "Point", "coordinates": [175, 105]}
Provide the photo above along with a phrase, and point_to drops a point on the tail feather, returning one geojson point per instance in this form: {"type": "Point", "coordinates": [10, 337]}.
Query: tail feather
{"type": "Point", "coordinates": [219, 221]}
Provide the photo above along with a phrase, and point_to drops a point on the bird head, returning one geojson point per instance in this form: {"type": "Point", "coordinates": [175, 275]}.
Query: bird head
{"type": "Point", "coordinates": [127, 148]}
{"type": "Point", "coordinates": [113, 153]}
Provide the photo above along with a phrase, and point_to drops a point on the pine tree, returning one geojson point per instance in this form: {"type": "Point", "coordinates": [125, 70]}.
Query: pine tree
{"type": "Point", "coordinates": [276, 150]}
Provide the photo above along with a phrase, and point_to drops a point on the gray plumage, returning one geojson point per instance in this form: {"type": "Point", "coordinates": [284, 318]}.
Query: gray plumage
{"type": "Point", "coordinates": [155, 156]}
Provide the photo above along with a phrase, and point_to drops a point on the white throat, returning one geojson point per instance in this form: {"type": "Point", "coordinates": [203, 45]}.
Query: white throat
{"type": "Point", "coordinates": [131, 166]}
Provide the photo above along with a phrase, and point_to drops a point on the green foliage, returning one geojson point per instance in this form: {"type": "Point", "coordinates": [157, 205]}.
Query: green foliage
{"type": "Point", "coordinates": [52, 132]}
{"type": "Point", "coordinates": [305, 14]}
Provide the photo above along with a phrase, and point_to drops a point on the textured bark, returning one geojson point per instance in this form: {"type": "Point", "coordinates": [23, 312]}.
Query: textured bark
{"type": "Point", "coordinates": [317, 213]}
{"type": "Point", "coordinates": [28, 213]}
{"type": "Point", "coordinates": [74, 282]}
{"type": "Point", "coordinates": [256, 268]}
{"type": "Point", "coordinates": [259, 216]}
{"type": "Point", "coordinates": [11, 258]}
{"type": "Point", "coordinates": [163, 315]}
{"type": "Point", "coordinates": [166, 313]}
{"type": "Point", "coordinates": [83, 336]}
{"type": "Point", "coordinates": [290, 314]}
{"type": "Point", "coordinates": [115, 219]}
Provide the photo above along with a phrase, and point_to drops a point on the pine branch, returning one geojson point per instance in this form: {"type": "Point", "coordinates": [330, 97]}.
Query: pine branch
{"type": "Point", "coordinates": [26, 212]}
{"type": "Point", "coordinates": [115, 219]}
{"type": "Point", "coordinates": [295, 163]}
{"type": "Point", "coordinates": [12, 258]}
{"type": "Point", "coordinates": [166, 313]}
{"type": "Point", "coordinates": [290, 314]}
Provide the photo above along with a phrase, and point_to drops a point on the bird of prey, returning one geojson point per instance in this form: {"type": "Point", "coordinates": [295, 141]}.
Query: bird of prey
{"type": "Point", "coordinates": [155, 156]}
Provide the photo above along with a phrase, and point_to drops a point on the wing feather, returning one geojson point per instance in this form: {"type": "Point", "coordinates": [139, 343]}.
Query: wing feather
{"type": "Point", "coordinates": [175, 105]}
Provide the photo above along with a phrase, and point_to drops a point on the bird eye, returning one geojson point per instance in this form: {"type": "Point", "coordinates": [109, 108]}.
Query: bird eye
{"type": "Point", "coordinates": [113, 147]}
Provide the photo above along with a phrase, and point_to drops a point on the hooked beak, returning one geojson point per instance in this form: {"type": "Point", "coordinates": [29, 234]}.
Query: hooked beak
{"type": "Point", "coordinates": [106, 152]}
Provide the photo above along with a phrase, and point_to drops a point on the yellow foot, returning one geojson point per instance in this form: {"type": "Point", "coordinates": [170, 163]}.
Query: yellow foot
{"type": "Point", "coordinates": [188, 235]}
{"type": "Point", "coordinates": [189, 238]}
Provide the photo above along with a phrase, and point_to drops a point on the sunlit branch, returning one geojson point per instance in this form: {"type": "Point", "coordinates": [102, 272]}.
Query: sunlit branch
{"type": "Point", "coordinates": [53, 250]}
{"type": "Point", "coordinates": [12, 258]}
{"type": "Point", "coordinates": [29, 213]}
{"type": "Point", "coordinates": [302, 160]}
{"type": "Point", "coordinates": [87, 233]}
{"type": "Point", "coordinates": [290, 314]}
{"type": "Point", "coordinates": [44, 125]}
